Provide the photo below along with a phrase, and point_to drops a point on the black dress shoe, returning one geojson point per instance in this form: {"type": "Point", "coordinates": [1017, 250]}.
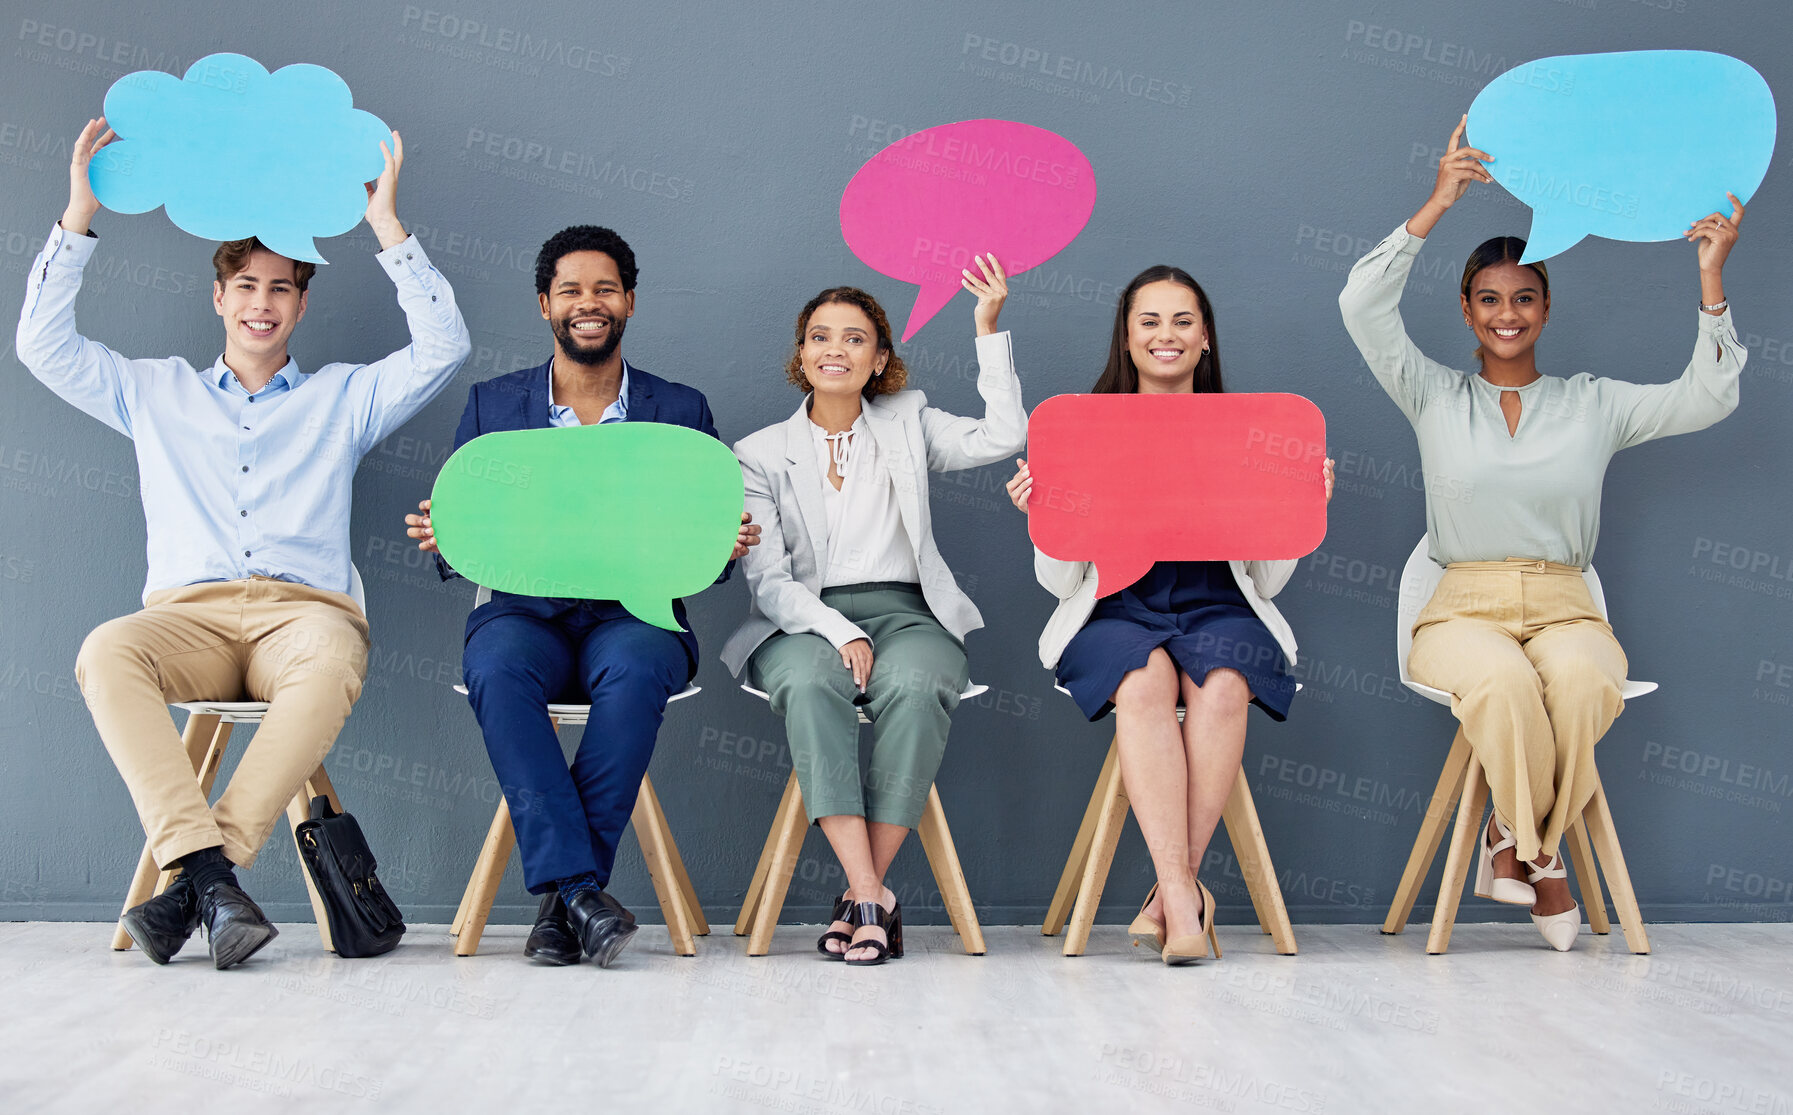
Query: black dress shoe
{"type": "Point", "coordinates": [162, 925]}
{"type": "Point", "coordinates": [235, 927]}
{"type": "Point", "coordinates": [552, 940]}
{"type": "Point", "coordinates": [601, 924]}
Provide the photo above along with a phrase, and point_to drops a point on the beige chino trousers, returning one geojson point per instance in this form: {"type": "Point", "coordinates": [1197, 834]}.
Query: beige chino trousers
{"type": "Point", "coordinates": [303, 650]}
{"type": "Point", "coordinates": [1535, 677]}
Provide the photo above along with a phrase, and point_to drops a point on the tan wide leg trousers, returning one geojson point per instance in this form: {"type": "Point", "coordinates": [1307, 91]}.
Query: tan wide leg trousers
{"type": "Point", "coordinates": [302, 650]}
{"type": "Point", "coordinates": [1535, 676]}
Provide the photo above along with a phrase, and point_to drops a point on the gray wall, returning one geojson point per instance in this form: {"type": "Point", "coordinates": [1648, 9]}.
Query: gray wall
{"type": "Point", "coordinates": [1302, 131]}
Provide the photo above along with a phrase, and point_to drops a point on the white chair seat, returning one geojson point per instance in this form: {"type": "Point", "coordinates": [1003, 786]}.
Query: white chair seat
{"type": "Point", "coordinates": [974, 690]}
{"type": "Point", "coordinates": [1419, 580]}
{"type": "Point", "coordinates": [579, 714]}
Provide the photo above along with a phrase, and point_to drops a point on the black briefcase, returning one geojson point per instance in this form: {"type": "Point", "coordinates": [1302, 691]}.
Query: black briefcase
{"type": "Point", "coordinates": [364, 921]}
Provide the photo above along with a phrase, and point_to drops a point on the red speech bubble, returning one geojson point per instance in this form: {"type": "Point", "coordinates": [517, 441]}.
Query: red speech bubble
{"type": "Point", "coordinates": [922, 207]}
{"type": "Point", "coordinates": [1129, 480]}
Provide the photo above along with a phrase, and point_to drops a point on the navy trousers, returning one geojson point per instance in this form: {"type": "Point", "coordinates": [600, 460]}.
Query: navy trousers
{"type": "Point", "coordinates": [569, 821]}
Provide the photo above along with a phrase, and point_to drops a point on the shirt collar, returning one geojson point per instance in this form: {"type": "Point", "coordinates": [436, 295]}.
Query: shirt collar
{"type": "Point", "coordinates": [621, 406]}
{"type": "Point", "coordinates": [285, 379]}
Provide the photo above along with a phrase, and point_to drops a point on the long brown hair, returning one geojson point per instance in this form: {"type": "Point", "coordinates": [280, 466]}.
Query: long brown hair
{"type": "Point", "coordinates": [1120, 377]}
{"type": "Point", "coordinates": [895, 375]}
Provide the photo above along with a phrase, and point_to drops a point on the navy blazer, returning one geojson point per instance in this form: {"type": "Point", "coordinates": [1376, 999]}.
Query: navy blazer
{"type": "Point", "coordinates": [519, 401]}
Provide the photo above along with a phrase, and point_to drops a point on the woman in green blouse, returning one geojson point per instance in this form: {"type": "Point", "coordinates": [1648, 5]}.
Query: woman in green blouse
{"type": "Point", "coordinates": [1514, 461]}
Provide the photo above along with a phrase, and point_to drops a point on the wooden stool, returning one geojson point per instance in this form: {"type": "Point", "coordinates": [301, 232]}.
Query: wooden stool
{"type": "Point", "coordinates": [1092, 853]}
{"type": "Point", "coordinates": [209, 725]}
{"type": "Point", "coordinates": [1463, 785]}
{"type": "Point", "coordinates": [784, 844]}
{"type": "Point", "coordinates": [672, 886]}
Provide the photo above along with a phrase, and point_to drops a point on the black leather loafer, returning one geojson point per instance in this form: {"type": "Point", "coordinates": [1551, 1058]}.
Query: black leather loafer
{"type": "Point", "coordinates": [601, 924]}
{"type": "Point", "coordinates": [162, 925]}
{"type": "Point", "coordinates": [235, 927]}
{"type": "Point", "coordinates": [552, 940]}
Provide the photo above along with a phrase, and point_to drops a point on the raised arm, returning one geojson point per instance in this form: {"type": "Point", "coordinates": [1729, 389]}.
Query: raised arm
{"type": "Point", "coordinates": [780, 597]}
{"type": "Point", "coordinates": [1708, 389]}
{"type": "Point", "coordinates": [387, 392]}
{"type": "Point", "coordinates": [83, 373]}
{"type": "Point", "coordinates": [955, 442]}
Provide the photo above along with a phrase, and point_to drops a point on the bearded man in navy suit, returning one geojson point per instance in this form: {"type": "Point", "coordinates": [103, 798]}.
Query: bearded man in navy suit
{"type": "Point", "coordinates": [526, 652]}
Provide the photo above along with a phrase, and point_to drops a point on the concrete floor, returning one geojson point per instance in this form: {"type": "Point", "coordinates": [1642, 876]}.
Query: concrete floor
{"type": "Point", "coordinates": [1358, 1022]}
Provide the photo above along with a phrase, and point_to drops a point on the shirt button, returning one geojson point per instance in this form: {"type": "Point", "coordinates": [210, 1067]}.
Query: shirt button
{"type": "Point", "coordinates": [245, 468]}
{"type": "Point", "coordinates": [246, 553]}
{"type": "Point", "coordinates": [408, 255]}
{"type": "Point", "coordinates": [244, 514]}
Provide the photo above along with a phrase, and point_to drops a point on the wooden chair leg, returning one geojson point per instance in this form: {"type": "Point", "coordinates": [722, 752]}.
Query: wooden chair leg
{"type": "Point", "coordinates": [650, 833]}
{"type": "Point", "coordinates": [694, 914]}
{"type": "Point", "coordinates": [482, 887]}
{"type": "Point", "coordinates": [1103, 840]}
{"type": "Point", "coordinates": [1457, 860]}
{"type": "Point", "coordinates": [1431, 833]}
{"type": "Point", "coordinates": [1598, 817]}
{"type": "Point", "coordinates": [788, 830]}
{"type": "Point", "coordinates": [1066, 894]}
{"type": "Point", "coordinates": [949, 875]}
{"type": "Point", "coordinates": [756, 890]}
{"type": "Point", "coordinates": [298, 811]}
{"type": "Point", "coordinates": [1587, 880]}
{"type": "Point", "coordinates": [1253, 854]}
{"type": "Point", "coordinates": [203, 736]}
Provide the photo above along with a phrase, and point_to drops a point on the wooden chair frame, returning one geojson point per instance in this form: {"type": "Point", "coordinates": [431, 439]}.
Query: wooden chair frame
{"type": "Point", "coordinates": [672, 885]}
{"type": "Point", "coordinates": [208, 729]}
{"type": "Point", "coordinates": [1092, 854]}
{"type": "Point", "coordinates": [784, 845]}
{"type": "Point", "coordinates": [1463, 787]}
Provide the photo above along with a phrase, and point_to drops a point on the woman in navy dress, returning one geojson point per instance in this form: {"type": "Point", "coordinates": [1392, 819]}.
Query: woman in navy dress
{"type": "Point", "coordinates": [1202, 634]}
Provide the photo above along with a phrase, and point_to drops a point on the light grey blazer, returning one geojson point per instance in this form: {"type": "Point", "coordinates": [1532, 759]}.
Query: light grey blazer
{"type": "Point", "coordinates": [784, 496]}
{"type": "Point", "coordinates": [1074, 583]}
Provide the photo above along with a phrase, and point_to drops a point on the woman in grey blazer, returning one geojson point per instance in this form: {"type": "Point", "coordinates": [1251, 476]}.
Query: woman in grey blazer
{"type": "Point", "coordinates": [852, 604]}
{"type": "Point", "coordinates": [1202, 634]}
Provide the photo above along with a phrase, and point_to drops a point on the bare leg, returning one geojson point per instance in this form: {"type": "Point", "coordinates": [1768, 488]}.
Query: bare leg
{"type": "Point", "coordinates": [1155, 771]}
{"type": "Point", "coordinates": [865, 853]}
{"type": "Point", "coordinates": [1214, 739]}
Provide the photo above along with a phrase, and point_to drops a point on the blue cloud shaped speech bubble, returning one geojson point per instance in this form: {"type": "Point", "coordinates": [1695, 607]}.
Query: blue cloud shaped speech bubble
{"type": "Point", "coordinates": [232, 151]}
{"type": "Point", "coordinates": [1629, 146]}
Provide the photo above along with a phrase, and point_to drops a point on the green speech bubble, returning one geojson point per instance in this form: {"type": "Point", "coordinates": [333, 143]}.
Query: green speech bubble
{"type": "Point", "coordinates": [636, 512]}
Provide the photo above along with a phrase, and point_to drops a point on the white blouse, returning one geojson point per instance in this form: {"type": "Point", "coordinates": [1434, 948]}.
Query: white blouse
{"type": "Point", "coordinates": [866, 539]}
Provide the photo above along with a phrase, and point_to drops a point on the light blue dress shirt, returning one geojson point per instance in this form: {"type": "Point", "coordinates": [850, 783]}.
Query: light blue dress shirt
{"type": "Point", "coordinates": [615, 412]}
{"type": "Point", "coordinates": [238, 485]}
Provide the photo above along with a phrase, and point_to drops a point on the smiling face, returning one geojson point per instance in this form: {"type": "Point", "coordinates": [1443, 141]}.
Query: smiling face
{"type": "Point", "coordinates": [840, 351]}
{"type": "Point", "coordinates": [587, 307]}
{"type": "Point", "coordinates": [1165, 336]}
{"type": "Point", "coordinates": [260, 305]}
{"type": "Point", "coordinates": [1506, 306]}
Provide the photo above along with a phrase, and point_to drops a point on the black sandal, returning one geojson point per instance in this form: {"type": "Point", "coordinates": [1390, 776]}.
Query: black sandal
{"type": "Point", "coordinates": [843, 911]}
{"type": "Point", "coordinates": [891, 922]}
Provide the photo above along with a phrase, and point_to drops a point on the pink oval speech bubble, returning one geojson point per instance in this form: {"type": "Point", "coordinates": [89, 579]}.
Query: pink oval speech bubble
{"type": "Point", "coordinates": [922, 207]}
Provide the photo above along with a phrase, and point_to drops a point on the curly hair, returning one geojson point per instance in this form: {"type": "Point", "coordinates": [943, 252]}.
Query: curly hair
{"type": "Point", "coordinates": [895, 376]}
{"type": "Point", "coordinates": [584, 238]}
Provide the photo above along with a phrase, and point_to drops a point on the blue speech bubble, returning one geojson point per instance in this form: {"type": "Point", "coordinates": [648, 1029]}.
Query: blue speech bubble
{"type": "Point", "coordinates": [232, 151]}
{"type": "Point", "coordinates": [1629, 146]}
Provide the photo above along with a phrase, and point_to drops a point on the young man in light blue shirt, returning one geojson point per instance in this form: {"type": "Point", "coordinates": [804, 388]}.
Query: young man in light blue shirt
{"type": "Point", "coordinates": [247, 469]}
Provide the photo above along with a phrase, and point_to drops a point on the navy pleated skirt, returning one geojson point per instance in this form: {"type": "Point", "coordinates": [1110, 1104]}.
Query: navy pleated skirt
{"type": "Point", "coordinates": [1195, 611]}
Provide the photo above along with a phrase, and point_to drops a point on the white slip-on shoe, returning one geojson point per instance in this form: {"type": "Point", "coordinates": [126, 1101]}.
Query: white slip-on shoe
{"type": "Point", "coordinates": [1489, 885]}
{"type": "Point", "coordinates": [1558, 929]}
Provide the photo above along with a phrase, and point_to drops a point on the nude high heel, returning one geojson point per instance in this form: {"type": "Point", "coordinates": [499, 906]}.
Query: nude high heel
{"type": "Point", "coordinates": [1490, 885]}
{"type": "Point", "coordinates": [1195, 946]}
{"type": "Point", "coordinates": [1560, 930]}
{"type": "Point", "coordinates": [1144, 930]}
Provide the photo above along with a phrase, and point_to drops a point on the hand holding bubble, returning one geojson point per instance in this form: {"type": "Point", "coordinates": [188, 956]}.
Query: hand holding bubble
{"type": "Point", "coordinates": [1631, 146]}
{"type": "Point", "coordinates": [920, 208]}
{"type": "Point", "coordinates": [232, 151]}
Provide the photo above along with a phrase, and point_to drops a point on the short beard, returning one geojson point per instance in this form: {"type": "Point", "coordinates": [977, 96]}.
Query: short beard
{"type": "Point", "coordinates": [575, 349]}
